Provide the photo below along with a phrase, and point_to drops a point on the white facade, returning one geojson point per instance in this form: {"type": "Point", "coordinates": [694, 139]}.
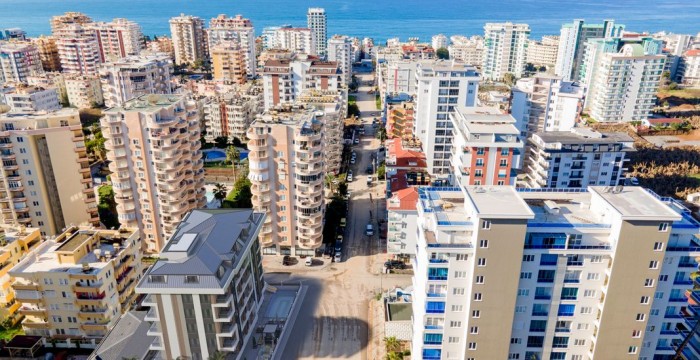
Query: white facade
{"type": "Point", "coordinates": [441, 86]}
{"type": "Point", "coordinates": [340, 50]}
{"type": "Point", "coordinates": [316, 21]}
{"type": "Point", "coordinates": [402, 222]}
{"type": "Point", "coordinates": [505, 50]}
{"type": "Point", "coordinates": [238, 29]}
{"type": "Point", "coordinates": [118, 39]}
{"type": "Point", "coordinates": [299, 40]}
{"type": "Point", "coordinates": [231, 114]}
{"type": "Point", "coordinates": [18, 61]}
{"type": "Point", "coordinates": [284, 80]}
{"type": "Point", "coordinates": [31, 99]}
{"type": "Point", "coordinates": [439, 41]}
{"type": "Point", "coordinates": [84, 91]}
{"type": "Point", "coordinates": [397, 77]}
{"type": "Point", "coordinates": [134, 76]}
{"type": "Point", "coordinates": [189, 39]}
{"type": "Point", "coordinates": [690, 68]}
{"type": "Point", "coordinates": [572, 40]}
{"type": "Point", "coordinates": [78, 50]}
{"type": "Point", "coordinates": [467, 50]}
{"type": "Point", "coordinates": [544, 52]}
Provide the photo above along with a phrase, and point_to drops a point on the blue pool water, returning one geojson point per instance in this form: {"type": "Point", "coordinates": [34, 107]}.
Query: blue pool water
{"type": "Point", "coordinates": [215, 155]}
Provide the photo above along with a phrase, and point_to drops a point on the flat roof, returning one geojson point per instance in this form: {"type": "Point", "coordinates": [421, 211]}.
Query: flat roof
{"type": "Point", "coordinates": [498, 202]}
{"type": "Point", "coordinates": [147, 103]}
{"type": "Point", "coordinates": [569, 137]}
{"type": "Point", "coordinates": [635, 203]}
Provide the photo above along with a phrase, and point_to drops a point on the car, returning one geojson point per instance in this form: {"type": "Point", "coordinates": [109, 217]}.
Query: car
{"type": "Point", "coordinates": [369, 170]}
{"type": "Point", "coordinates": [369, 181]}
{"type": "Point", "coordinates": [328, 253]}
{"type": "Point", "coordinates": [349, 176]}
{"type": "Point", "coordinates": [394, 264]}
{"type": "Point", "coordinates": [357, 141]}
{"type": "Point", "coordinates": [373, 114]}
{"type": "Point", "coordinates": [309, 261]}
{"type": "Point", "coordinates": [343, 222]}
{"type": "Point", "coordinates": [632, 181]}
{"type": "Point", "coordinates": [374, 125]}
{"type": "Point", "coordinates": [382, 149]}
{"type": "Point", "coordinates": [337, 256]}
{"type": "Point", "coordinates": [352, 161]}
{"type": "Point", "coordinates": [353, 154]}
{"type": "Point", "coordinates": [369, 230]}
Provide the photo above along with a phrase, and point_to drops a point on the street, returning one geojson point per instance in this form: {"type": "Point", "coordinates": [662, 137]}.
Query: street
{"type": "Point", "coordinates": [334, 321]}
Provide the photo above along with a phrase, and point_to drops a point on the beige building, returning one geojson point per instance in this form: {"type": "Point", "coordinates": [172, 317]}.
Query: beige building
{"type": "Point", "coordinates": [15, 243]}
{"type": "Point", "coordinates": [334, 106]}
{"type": "Point", "coordinates": [18, 60]}
{"type": "Point", "coordinates": [84, 91]}
{"type": "Point", "coordinates": [237, 29]}
{"type": "Point", "coordinates": [156, 164]}
{"type": "Point", "coordinates": [45, 177]}
{"type": "Point", "coordinates": [78, 49]}
{"type": "Point", "coordinates": [48, 52]}
{"type": "Point", "coordinates": [228, 63]}
{"type": "Point", "coordinates": [134, 76]}
{"type": "Point", "coordinates": [286, 163]}
{"type": "Point", "coordinates": [162, 44]}
{"type": "Point", "coordinates": [543, 52]}
{"type": "Point", "coordinates": [60, 21]}
{"type": "Point", "coordinates": [118, 38]}
{"type": "Point", "coordinates": [75, 286]}
{"type": "Point", "coordinates": [231, 113]}
{"type": "Point", "coordinates": [188, 38]}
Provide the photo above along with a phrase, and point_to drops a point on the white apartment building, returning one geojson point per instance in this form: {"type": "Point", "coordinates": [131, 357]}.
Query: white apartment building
{"type": "Point", "coordinates": [572, 42]}
{"type": "Point", "coordinates": [402, 221]}
{"type": "Point", "coordinates": [340, 51]}
{"type": "Point", "coordinates": [45, 176]}
{"type": "Point", "coordinates": [543, 52]}
{"type": "Point", "coordinates": [25, 99]}
{"type": "Point", "coordinates": [230, 114]}
{"type": "Point", "coordinates": [189, 39]}
{"type": "Point", "coordinates": [334, 106]}
{"type": "Point", "coordinates": [397, 77]}
{"type": "Point", "coordinates": [133, 76]}
{"type": "Point", "coordinates": [54, 80]}
{"type": "Point", "coordinates": [18, 61]}
{"type": "Point", "coordinates": [486, 147]}
{"type": "Point", "coordinates": [239, 30]}
{"type": "Point", "coordinates": [118, 38]}
{"type": "Point", "coordinates": [577, 158]}
{"type": "Point", "coordinates": [298, 40]}
{"type": "Point", "coordinates": [84, 91]}
{"type": "Point", "coordinates": [467, 50]}
{"type": "Point", "coordinates": [622, 77]}
{"type": "Point", "coordinates": [439, 41]}
{"type": "Point", "coordinates": [690, 68]}
{"type": "Point", "coordinates": [78, 49]}
{"type": "Point", "coordinates": [157, 167]}
{"type": "Point", "coordinates": [205, 291]}
{"type": "Point", "coordinates": [596, 273]}
{"type": "Point", "coordinates": [285, 79]}
{"type": "Point", "coordinates": [316, 21]}
{"type": "Point", "coordinates": [269, 36]}
{"type": "Point", "coordinates": [505, 50]}
{"type": "Point", "coordinates": [287, 171]}
{"type": "Point", "coordinates": [546, 103]}
{"type": "Point", "coordinates": [441, 87]}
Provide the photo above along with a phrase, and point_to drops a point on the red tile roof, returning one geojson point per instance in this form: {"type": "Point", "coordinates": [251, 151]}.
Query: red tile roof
{"type": "Point", "coordinates": [405, 157]}
{"type": "Point", "coordinates": [398, 181]}
{"type": "Point", "coordinates": [655, 121]}
{"type": "Point", "coordinates": [693, 52]}
{"type": "Point", "coordinates": [404, 199]}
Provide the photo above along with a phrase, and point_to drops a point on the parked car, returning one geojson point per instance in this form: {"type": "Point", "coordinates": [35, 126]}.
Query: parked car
{"type": "Point", "coordinates": [369, 170]}
{"type": "Point", "coordinates": [337, 256]}
{"type": "Point", "coordinates": [357, 141]}
{"type": "Point", "coordinates": [309, 261]}
{"type": "Point", "coordinates": [369, 181]}
{"type": "Point", "coordinates": [369, 230]}
{"type": "Point", "coordinates": [352, 160]}
{"type": "Point", "coordinates": [349, 176]}
{"type": "Point", "coordinates": [343, 222]}
{"type": "Point", "coordinates": [339, 239]}
{"type": "Point", "coordinates": [394, 264]}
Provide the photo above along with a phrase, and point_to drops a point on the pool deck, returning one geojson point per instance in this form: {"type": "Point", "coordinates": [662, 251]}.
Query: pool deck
{"type": "Point", "coordinates": [281, 306]}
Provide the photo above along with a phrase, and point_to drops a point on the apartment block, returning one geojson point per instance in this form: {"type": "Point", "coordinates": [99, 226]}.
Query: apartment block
{"type": "Point", "coordinates": [439, 41]}
{"type": "Point", "coordinates": [340, 51]}
{"type": "Point", "coordinates": [316, 21]}
{"type": "Point", "coordinates": [505, 50]}
{"type": "Point", "coordinates": [238, 30]}
{"type": "Point", "coordinates": [441, 87]}
{"type": "Point", "coordinates": [118, 39]}
{"type": "Point", "coordinates": [486, 147]}
{"type": "Point", "coordinates": [157, 167]}
{"type": "Point", "coordinates": [188, 38]}
{"type": "Point", "coordinates": [76, 285]}
{"type": "Point", "coordinates": [285, 79]}
{"type": "Point", "coordinates": [46, 181]}
{"type": "Point", "coordinates": [577, 158]}
{"type": "Point", "coordinates": [399, 121]}
{"type": "Point", "coordinates": [228, 62]}
{"type": "Point", "coordinates": [15, 243]}
{"type": "Point", "coordinates": [397, 77]}
{"type": "Point", "coordinates": [543, 52]}
{"type": "Point", "coordinates": [133, 76]}
{"type": "Point", "coordinates": [572, 42]}
{"type": "Point", "coordinates": [58, 22]}
{"type": "Point", "coordinates": [25, 99]}
{"type": "Point", "coordinates": [622, 77]}
{"type": "Point", "coordinates": [286, 162]}
{"type": "Point", "coordinates": [13, 34]}
{"type": "Point", "coordinates": [18, 61]}
{"type": "Point", "coordinates": [161, 44]}
{"type": "Point", "coordinates": [690, 68]}
{"type": "Point", "coordinates": [84, 91]}
{"type": "Point", "coordinates": [205, 292]}
{"type": "Point", "coordinates": [467, 50]}
{"type": "Point", "coordinates": [230, 114]}
{"type": "Point", "coordinates": [402, 221]}
{"type": "Point", "coordinates": [48, 52]}
{"type": "Point", "coordinates": [298, 40]}
{"type": "Point", "coordinates": [573, 274]}
{"type": "Point", "coordinates": [333, 104]}
{"type": "Point", "coordinates": [78, 49]}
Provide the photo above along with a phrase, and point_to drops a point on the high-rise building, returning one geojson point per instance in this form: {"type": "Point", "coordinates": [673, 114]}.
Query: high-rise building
{"type": "Point", "coordinates": [84, 91]}
{"type": "Point", "coordinates": [228, 62]}
{"type": "Point", "coordinates": [689, 68]}
{"type": "Point", "coordinates": [13, 34]}
{"type": "Point", "coordinates": [334, 105]}
{"type": "Point", "coordinates": [231, 113]}
{"type": "Point", "coordinates": [25, 99]}
{"type": "Point", "coordinates": [402, 221]}
{"type": "Point", "coordinates": [340, 50]}
{"type": "Point", "coordinates": [572, 41]}
{"type": "Point", "coordinates": [397, 77]}
{"type": "Point", "coordinates": [157, 167]}
{"type": "Point", "coordinates": [77, 284]}
{"type": "Point", "coordinates": [622, 76]}
{"type": "Point", "coordinates": [286, 162]}
{"type": "Point", "coordinates": [298, 40]}
{"type": "Point", "coordinates": [577, 158]}
{"type": "Point", "coordinates": [78, 49]}
{"type": "Point", "coordinates": [19, 60]}
{"type": "Point", "coordinates": [269, 36]}
{"type": "Point", "coordinates": [238, 30]}
{"type": "Point", "coordinates": [205, 291]}
{"type": "Point", "coordinates": [486, 148]}
{"type": "Point", "coordinates": [68, 18]}
{"type": "Point", "coordinates": [133, 76]}
{"type": "Point", "coordinates": [48, 52]}
{"type": "Point", "coordinates": [16, 242]}
{"type": "Point", "coordinates": [543, 52]}
{"type": "Point", "coordinates": [467, 50]}
{"type": "Point", "coordinates": [162, 44]}
{"type": "Point", "coordinates": [582, 272]}
{"type": "Point", "coordinates": [505, 50]}
{"type": "Point", "coordinates": [117, 39]}
{"type": "Point", "coordinates": [189, 39]}
{"type": "Point", "coordinates": [442, 86]}
{"type": "Point", "coordinates": [316, 21]}
{"type": "Point", "coordinates": [439, 41]}
{"type": "Point", "coordinates": [285, 79]}
{"type": "Point", "coordinates": [48, 183]}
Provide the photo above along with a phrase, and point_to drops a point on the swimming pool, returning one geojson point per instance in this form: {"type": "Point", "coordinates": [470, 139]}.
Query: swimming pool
{"type": "Point", "coordinates": [215, 155]}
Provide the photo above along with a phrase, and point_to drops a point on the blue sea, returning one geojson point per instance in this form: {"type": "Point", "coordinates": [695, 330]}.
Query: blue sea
{"type": "Point", "coordinates": [380, 19]}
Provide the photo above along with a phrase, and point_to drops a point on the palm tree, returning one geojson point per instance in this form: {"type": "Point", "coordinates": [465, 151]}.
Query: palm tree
{"type": "Point", "coordinates": [392, 344]}
{"type": "Point", "coordinates": [329, 179]}
{"type": "Point", "coordinates": [220, 192]}
{"type": "Point", "coordinates": [233, 155]}
{"type": "Point", "coordinates": [217, 356]}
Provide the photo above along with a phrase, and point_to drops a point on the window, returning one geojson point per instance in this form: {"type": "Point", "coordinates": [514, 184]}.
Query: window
{"type": "Point", "coordinates": [513, 356]}
{"type": "Point", "coordinates": [569, 293]}
{"type": "Point", "coordinates": [586, 310]}
{"type": "Point", "coordinates": [566, 309]}
{"type": "Point", "coordinates": [663, 277]}
{"type": "Point", "coordinates": [548, 259]}
{"type": "Point", "coordinates": [504, 162]}
{"type": "Point", "coordinates": [538, 325]}
{"type": "Point", "coordinates": [191, 279]}
{"type": "Point", "coordinates": [589, 293]}
{"type": "Point", "coordinates": [579, 342]}
{"type": "Point", "coordinates": [485, 224]}
{"type": "Point", "coordinates": [483, 243]}
{"type": "Point", "coordinates": [644, 300]}
{"type": "Point", "coordinates": [458, 291]}
{"type": "Point", "coordinates": [528, 258]}
{"type": "Point", "coordinates": [461, 257]}
{"type": "Point", "coordinates": [457, 308]}
{"type": "Point", "coordinates": [432, 339]}
{"type": "Point", "coordinates": [476, 314]}
{"type": "Point", "coordinates": [593, 276]}
{"type": "Point", "coordinates": [523, 292]}
{"type": "Point", "coordinates": [460, 274]}
{"type": "Point", "coordinates": [481, 262]}
{"type": "Point", "coordinates": [526, 275]}
{"type": "Point", "coordinates": [648, 282]}
{"type": "Point", "coordinates": [636, 333]}
{"type": "Point", "coordinates": [596, 259]}
{"type": "Point", "coordinates": [641, 316]}
{"type": "Point", "coordinates": [455, 324]}
{"type": "Point", "coordinates": [472, 346]}
{"type": "Point", "coordinates": [453, 339]}
{"type": "Point", "coordinates": [474, 330]}
{"type": "Point", "coordinates": [520, 309]}
{"type": "Point", "coordinates": [516, 340]}
{"type": "Point", "coordinates": [479, 279]}
{"type": "Point", "coordinates": [658, 246]}
{"type": "Point", "coordinates": [435, 307]}
{"type": "Point", "coordinates": [663, 227]}
{"type": "Point", "coordinates": [477, 297]}
{"type": "Point", "coordinates": [632, 350]}
{"type": "Point", "coordinates": [654, 264]}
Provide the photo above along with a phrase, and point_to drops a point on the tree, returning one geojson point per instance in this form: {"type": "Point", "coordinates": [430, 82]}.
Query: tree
{"type": "Point", "coordinates": [442, 53]}
{"type": "Point", "coordinates": [328, 180]}
{"type": "Point", "coordinates": [509, 79]}
{"type": "Point", "coordinates": [529, 67]}
{"type": "Point", "coordinates": [353, 110]}
{"type": "Point", "coordinates": [392, 344]}
{"type": "Point", "coordinates": [217, 355]}
{"type": "Point", "coordinates": [107, 207]}
{"type": "Point", "coordinates": [673, 86]}
{"type": "Point", "coordinates": [220, 192]}
{"type": "Point", "coordinates": [381, 134]}
{"type": "Point", "coordinates": [233, 155]}
{"type": "Point", "coordinates": [221, 142]}
{"type": "Point", "coordinates": [96, 145]}
{"type": "Point", "coordinates": [381, 171]}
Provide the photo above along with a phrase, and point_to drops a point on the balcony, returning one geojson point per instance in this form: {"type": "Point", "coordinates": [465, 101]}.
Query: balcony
{"type": "Point", "coordinates": [93, 313]}
{"type": "Point", "coordinates": [83, 287]}
{"type": "Point", "coordinates": [436, 295]}
{"type": "Point", "coordinates": [33, 311]}
{"type": "Point", "coordinates": [89, 299]}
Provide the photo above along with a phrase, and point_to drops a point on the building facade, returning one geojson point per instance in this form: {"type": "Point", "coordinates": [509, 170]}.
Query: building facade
{"type": "Point", "coordinates": [467, 50]}
{"type": "Point", "coordinates": [238, 30]}
{"type": "Point", "coordinates": [228, 63]}
{"type": "Point", "coordinates": [16, 242]}
{"type": "Point", "coordinates": [188, 38]}
{"type": "Point", "coordinates": [505, 50]}
{"type": "Point", "coordinates": [58, 22]}
{"type": "Point", "coordinates": [285, 79]}
{"type": "Point", "coordinates": [543, 52]}
{"type": "Point", "coordinates": [690, 68]}
{"type": "Point", "coordinates": [118, 39]}
{"type": "Point", "coordinates": [24, 99]}
{"type": "Point", "coordinates": [133, 76]}
{"type": "Point", "coordinates": [18, 61]}
{"type": "Point", "coordinates": [572, 42]}
{"type": "Point", "coordinates": [298, 40]}
{"type": "Point", "coordinates": [48, 52]}
{"type": "Point", "coordinates": [78, 49]}
{"type": "Point", "coordinates": [340, 51]}
{"type": "Point", "coordinates": [157, 167]}
{"type": "Point", "coordinates": [84, 91]}
{"type": "Point", "coordinates": [439, 41]}
{"type": "Point", "coordinates": [230, 114]}
{"type": "Point", "coordinates": [316, 21]}
{"type": "Point", "coordinates": [333, 104]}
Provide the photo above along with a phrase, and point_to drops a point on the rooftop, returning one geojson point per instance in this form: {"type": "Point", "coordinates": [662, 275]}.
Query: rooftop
{"type": "Point", "coordinates": [583, 136]}
{"type": "Point", "coordinates": [127, 339]}
{"type": "Point", "coordinates": [498, 202]}
{"type": "Point", "coordinates": [147, 103]}
{"type": "Point", "coordinates": [635, 203]}
{"type": "Point", "coordinates": [404, 199]}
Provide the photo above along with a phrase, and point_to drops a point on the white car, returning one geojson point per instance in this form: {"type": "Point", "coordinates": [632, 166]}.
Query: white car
{"type": "Point", "coordinates": [369, 230]}
{"type": "Point", "coordinates": [337, 257]}
{"type": "Point", "coordinates": [309, 261]}
{"type": "Point", "coordinates": [357, 141]}
{"type": "Point", "coordinates": [350, 176]}
{"type": "Point", "coordinates": [352, 160]}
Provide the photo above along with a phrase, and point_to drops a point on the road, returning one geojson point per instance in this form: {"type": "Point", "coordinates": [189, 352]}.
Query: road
{"type": "Point", "coordinates": [334, 321]}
